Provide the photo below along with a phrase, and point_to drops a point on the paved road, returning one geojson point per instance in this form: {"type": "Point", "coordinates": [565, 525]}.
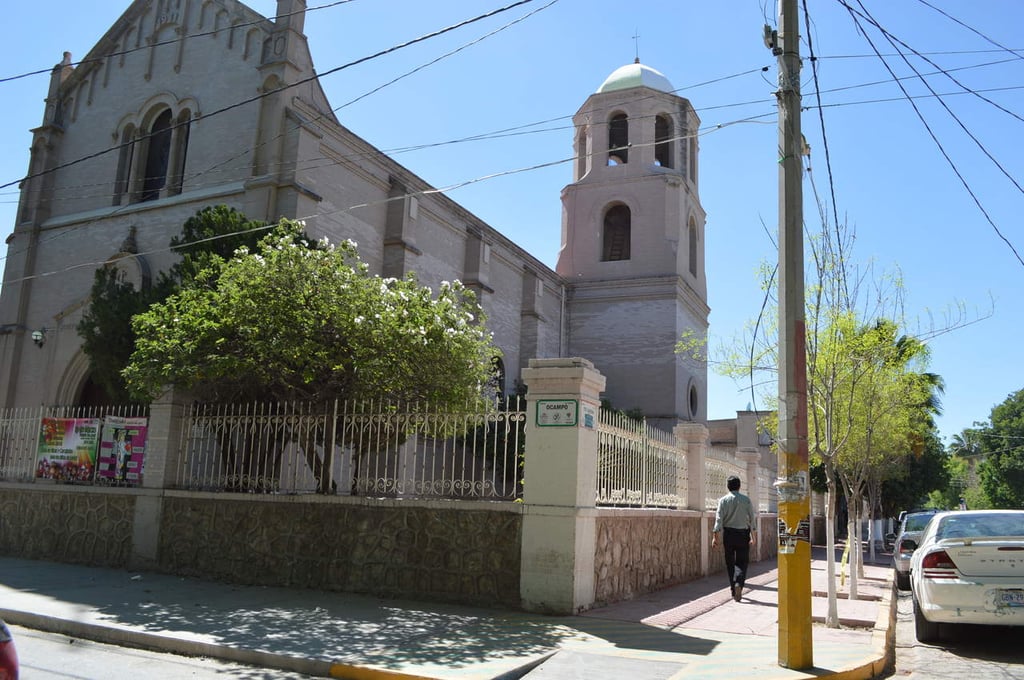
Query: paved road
{"type": "Point", "coordinates": [51, 656]}
{"type": "Point", "coordinates": [963, 653]}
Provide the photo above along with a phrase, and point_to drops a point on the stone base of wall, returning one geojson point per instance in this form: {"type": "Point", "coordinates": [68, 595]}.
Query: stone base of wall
{"type": "Point", "coordinates": [82, 526]}
{"type": "Point", "coordinates": [640, 551]}
{"type": "Point", "coordinates": [448, 551]}
{"type": "Point", "coordinates": [452, 551]}
{"type": "Point", "coordinates": [390, 549]}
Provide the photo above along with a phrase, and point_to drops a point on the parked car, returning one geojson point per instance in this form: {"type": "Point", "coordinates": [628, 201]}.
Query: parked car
{"type": "Point", "coordinates": [911, 526]}
{"type": "Point", "coordinates": [8, 654]}
{"type": "Point", "coordinates": [968, 567]}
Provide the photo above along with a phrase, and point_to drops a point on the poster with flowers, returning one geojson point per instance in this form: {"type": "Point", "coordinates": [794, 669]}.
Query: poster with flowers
{"type": "Point", "coordinates": [122, 451]}
{"type": "Point", "coordinates": [67, 449]}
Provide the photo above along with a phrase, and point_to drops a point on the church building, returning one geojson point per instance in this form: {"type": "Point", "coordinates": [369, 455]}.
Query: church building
{"type": "Point", "coordinates": [142, 133]}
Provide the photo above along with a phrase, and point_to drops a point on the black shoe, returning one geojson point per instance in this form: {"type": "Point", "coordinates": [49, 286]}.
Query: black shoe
{"type": "Point", "coordinates": [737, 590]}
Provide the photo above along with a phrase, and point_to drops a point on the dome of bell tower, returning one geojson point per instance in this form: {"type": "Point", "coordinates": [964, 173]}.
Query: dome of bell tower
{"type": "Point", "coordinates": [635, 75]}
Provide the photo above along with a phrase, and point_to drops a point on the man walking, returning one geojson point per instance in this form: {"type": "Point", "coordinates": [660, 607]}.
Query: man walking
{"type": "Point", "coordinates": [735, 521]}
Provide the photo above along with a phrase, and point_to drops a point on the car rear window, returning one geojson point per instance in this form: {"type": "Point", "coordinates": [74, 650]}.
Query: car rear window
{"type": "Point", "coordinates": [917, 522]}
{"type": "Point", "coordinates": [981, 525]}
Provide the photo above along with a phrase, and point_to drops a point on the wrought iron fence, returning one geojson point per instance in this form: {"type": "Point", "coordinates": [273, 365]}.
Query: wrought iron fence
{"type": "Point", "coordinates": [719, 466]}
{"type": "Point", "coordinates": [638, 465]}
{"type": "Point", "coordinates": [22, 428]}
{"type": "Point", "coordinates": [367, 448]}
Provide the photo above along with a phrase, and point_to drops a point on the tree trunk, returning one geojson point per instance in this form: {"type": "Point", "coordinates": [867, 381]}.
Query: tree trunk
{"type": "Point", "coordinates": [832, 615]}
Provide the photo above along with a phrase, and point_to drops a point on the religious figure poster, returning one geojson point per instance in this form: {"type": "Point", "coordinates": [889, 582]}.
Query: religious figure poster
{"type": "Point", "coordinates": [67, 449]}
{"type": "Point", "coordinates": [122, 451]}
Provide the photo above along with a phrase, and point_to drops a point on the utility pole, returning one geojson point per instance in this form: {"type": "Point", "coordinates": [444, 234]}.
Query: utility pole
{"type": "Point", "coordinates": [795, 647]}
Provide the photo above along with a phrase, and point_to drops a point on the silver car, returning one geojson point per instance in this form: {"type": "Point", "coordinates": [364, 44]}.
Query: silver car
{"type": "Point", "coordinates": [969, 568]}
{"type": "Point", "coordinates": [911, 527]}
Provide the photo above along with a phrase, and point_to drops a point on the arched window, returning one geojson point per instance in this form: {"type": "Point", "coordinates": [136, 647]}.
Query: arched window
{"type": "Point", "coordinates": [692, 243]}
{"type": "Point", "coordinates": [124, 163]}
{"type": "Point", "coordinates": [616, 234]}
{"type": "Point", "coordinates": [618, 139]}
{"type": "Point", "coordinates": [663, 141]}
{"type": "Point", "coordinates": [158, 155]}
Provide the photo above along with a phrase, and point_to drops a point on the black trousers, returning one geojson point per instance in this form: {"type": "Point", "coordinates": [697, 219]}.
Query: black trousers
{"type": "Point", "coordinates": [737, 554]}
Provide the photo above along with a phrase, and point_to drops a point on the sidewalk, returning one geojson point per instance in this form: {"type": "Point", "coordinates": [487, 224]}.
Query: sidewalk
{"type": "Point", "coordinates": [694, 630]}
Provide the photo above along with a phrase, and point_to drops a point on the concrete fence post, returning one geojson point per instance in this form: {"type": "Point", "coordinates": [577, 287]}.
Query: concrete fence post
{"type": "Point", "coordinates": [163, 440]}
{"type": "Point", "coordinates": [693, 438]}
{"type": "Point", "coordinates": [752, 457]}
{"type": "Point", "coordinates": [560, 485]}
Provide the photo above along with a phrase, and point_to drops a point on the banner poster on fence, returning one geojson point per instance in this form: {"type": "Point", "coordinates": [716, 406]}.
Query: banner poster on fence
{"type": "Point", "coordinates": [67, 449]}
{"type": "Point", "coordinates": [122, 451]}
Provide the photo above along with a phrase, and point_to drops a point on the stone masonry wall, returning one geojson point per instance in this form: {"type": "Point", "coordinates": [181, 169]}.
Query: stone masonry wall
{"type": "Point", "coordinates": [77, 527]}
{"type": "Point", "coordinates": [390, 548]}
{"type": "Point", "coordinates": [405, 550]}
{"type": "Point", "coordinates": [639, 552]}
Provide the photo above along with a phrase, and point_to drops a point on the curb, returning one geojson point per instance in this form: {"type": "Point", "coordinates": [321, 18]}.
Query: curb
{"type": "Point", "coordinates": [883, 642]}
{"type": "Point", "coordinates": [173, 645]}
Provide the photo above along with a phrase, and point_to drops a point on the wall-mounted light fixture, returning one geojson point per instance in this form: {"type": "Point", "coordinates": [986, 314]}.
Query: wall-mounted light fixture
{"type": "Point", "coordinates": [39, 337]}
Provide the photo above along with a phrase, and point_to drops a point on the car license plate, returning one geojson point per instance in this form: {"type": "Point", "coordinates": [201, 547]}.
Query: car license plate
{"type": "Point", "coordinates": [1010, 598]}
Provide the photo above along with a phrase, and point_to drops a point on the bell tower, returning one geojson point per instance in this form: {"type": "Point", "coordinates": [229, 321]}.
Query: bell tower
{"type": "Point", "coordinates": [632, 250]}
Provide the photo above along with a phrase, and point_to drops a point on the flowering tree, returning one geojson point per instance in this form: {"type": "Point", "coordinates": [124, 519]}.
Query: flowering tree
{"type": "Point", "coordinates": [295, 322]}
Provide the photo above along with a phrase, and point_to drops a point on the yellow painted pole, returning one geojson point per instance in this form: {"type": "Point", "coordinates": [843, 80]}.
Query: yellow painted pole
{"type": "Point", "coordinates": [795, 645]}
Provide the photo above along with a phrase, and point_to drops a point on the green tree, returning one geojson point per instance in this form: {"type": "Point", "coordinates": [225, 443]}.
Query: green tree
{"type": "Point", "coordinates": [915, 476]}
{"type": "Point", "coordinates": [290, 322]}
{"type": "Point", "coordinates": [1002, 443]}
{"type": "Point", "coordinates": [108, 340]}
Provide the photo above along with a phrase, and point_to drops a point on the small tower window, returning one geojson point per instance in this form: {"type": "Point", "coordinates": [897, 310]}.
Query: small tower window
{"type": "Point", "coordinates": [692, 239]}
{"type": "Point", "coordinates": [616, 234]}
{"type": "Point", "coordinates": [582, 157]}
{"type": "Point", "coordinates": [663, 141]}
{"type": "Point", "coordinates": [693, 156]}
{"type": "Point", "coordinates": [618, 139]}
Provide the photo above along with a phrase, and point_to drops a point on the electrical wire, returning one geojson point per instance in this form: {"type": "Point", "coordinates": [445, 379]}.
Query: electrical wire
{"type": "Point", "coordinates": [513, 131]}
{"type": "Point", "coordinates": [354, 207]}
{"type": "Point", "coordinates": [893, 39]}
{"type": "Point", "coordinates": [931, 133]}
{"type": "Point", "coordinates": [1016, 53]}
{"type": "Point", "coordinates": [149, 46]}
{"type": "Point", "coordinates": [288, 86]}
{"type": "Point", "coordinates": [824, 138]}
{"type": "Point", "coordinates": [248, 151]}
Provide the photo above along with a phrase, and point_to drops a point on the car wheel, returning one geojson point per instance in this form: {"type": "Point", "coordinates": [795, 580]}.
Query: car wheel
{"type": "Point", "coordinates": [925, 630]}
{"type": "Point", "coordinates": [902, 581]}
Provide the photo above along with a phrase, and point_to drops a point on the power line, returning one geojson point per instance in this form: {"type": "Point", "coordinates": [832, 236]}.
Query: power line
{"type": "Point", "coordinates": [100, 60]}
{"type": "Point", "coordinates": [1016, 52]}
{"type": "Point", "coordinates": [524, 129]}
{"type": "Point", "coordinates": [493, 135]}
{"type": "Point", "coordinates": [931, 133]}
{"type": "Point", "coordinates": [359, 206]}
{"type": "Point", "coordinates": [67, 232]}
{"type": "Point", "coordinates": [824, 138]}
{"type": "Point", "coordinates": [288, 86]}
{"type": "Point", "coordinates": [939, 53]}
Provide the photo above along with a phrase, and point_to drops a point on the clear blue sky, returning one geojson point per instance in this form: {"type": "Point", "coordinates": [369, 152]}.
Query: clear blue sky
{"type": "Point", "coordinates": [892, 184]}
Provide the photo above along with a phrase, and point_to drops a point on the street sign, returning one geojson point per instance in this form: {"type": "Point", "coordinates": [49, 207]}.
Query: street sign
{"type": "Point", "coordinates": [557, 412]}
